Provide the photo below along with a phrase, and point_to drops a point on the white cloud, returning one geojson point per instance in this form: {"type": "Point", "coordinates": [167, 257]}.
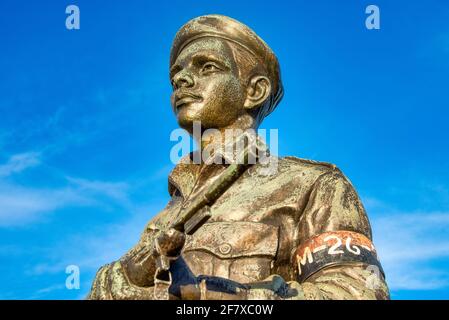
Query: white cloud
{"type": "Point", "coordinates": [409, 278]}
{"type": "Point", "coordinates": [89, 251]}
{"type": "Point", "coordinates": [410, 245]}
{"type": "Point", "coordinates": [92, 250]}
{"type": "Point", "coordinates": [20, 162]}
{"type": "Point", "coordinates": [114, 190]}
{"type": "Point", "coordinates": [21, 205]}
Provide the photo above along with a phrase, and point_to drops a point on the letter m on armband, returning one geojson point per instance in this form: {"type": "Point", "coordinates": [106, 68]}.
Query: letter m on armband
{"type": "Point", "coordinates": [334, 248]}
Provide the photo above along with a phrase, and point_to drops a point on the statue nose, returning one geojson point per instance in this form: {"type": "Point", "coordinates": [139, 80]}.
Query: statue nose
{"type": "Point", "coordinates": [183, 80]}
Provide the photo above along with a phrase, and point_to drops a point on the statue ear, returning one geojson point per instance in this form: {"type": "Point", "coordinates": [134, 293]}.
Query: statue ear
{"type": "Point", "coordinates": [259, 89]}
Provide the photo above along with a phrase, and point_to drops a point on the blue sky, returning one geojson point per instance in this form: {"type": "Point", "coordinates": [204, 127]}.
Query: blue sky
{"type": "Point", "coordinates": [85, 123]}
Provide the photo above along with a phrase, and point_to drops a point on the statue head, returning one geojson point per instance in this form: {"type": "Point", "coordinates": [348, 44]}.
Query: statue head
{"type": "Point", "coordinates": [223, 75]}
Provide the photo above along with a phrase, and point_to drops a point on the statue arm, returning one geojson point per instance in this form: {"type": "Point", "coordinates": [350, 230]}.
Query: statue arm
{"type": "Point", "coordinates": [128, 277]}
{"type": "Point", "coordinates": [333, 211]}
{"type": "Point", "coordinates": [112, 283]}
{"type": "Point", "coordinates": [132, 276]}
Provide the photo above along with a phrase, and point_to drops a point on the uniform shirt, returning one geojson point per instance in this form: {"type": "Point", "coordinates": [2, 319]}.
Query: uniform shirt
{"type": "Point", "coordinates": [256, 227]}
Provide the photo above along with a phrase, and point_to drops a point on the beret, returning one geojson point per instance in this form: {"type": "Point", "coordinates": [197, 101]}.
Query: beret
{"type": "Point", "coordinates": [229, 29]}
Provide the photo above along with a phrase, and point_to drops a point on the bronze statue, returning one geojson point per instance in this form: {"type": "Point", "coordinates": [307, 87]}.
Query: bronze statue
{"type": "Point", "coordinates": [230, 230]}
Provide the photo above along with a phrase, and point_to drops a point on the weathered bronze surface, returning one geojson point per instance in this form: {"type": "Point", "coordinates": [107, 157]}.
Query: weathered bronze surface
{"type": "Point", "coordinates": [231, 231]}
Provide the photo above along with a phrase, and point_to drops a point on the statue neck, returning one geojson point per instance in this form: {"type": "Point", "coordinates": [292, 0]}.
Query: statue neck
{"type": "Point", "coordinates": [220, 137]}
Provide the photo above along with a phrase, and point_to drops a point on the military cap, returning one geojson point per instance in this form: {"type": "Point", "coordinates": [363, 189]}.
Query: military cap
{"type": "Point", "coordinates": [229, 29]}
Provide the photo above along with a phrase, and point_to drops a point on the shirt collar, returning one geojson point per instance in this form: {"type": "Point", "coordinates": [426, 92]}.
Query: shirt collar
{"type": "Point", "coordinates": [185, 173]}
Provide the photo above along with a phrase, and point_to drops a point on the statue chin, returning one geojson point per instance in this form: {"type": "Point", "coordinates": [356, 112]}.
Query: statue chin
{"type": "Point", "coordinates": [186, 119]}
{"type": "Point", "coordinates": [186, 122]}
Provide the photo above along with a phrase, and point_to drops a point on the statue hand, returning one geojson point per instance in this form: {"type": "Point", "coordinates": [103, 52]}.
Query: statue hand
{"type": "Point", "coordinates": [140, 261]}
{"type": "Point", "coordinates": [170, 243]}
{"type": "Point", "coordinates": [275, 288]}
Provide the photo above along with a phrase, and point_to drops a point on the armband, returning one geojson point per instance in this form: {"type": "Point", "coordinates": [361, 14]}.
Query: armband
{"type": "Point", "coordinates": [334, 248]}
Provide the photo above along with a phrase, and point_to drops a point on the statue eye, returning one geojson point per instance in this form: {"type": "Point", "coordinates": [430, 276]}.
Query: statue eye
{"type": "Point", "coordinates": [209, 67]}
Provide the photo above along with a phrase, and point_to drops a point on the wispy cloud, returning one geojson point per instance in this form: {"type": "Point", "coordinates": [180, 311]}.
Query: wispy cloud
{"type": "Point", "coordinates": [91, 250]}
{"type": "Point", "coordinates": [114, 190]}
{"type": "Point", "coordinates": [20, 162]}
{"type": "Point", "coordinates": [44, 291]}
{"type": "Point", "coordinates": [23, 204]}
{"type": "Point", "coordinates": [410, 244]}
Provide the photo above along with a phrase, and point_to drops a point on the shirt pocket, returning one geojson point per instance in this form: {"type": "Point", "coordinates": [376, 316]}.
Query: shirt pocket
{"type": "Point", "coordinates": [242, 251]}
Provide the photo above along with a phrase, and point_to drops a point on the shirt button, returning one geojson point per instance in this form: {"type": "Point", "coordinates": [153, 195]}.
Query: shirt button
{"type": "Point", "coordinates": [225, 248]}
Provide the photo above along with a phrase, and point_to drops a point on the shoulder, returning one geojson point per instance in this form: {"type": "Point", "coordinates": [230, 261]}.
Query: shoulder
{"type": "Point", "coordinates": [333, 203]}
{"type": "Point", "coordinates": [309, 167]}
{"type": "Point", "coordinates": [294, 171]}
{"type": "Point", "coordinates": [318, 172]}
{"type": "Point", "coordinates": [308, 163]}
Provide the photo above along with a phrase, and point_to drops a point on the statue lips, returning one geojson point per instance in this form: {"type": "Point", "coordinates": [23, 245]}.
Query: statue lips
{"type": "Point", "coordinates": [183, 98]}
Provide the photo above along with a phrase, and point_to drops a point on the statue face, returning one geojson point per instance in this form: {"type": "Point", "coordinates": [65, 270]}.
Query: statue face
{"type": "Point", "coordinates": [206, 85]}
